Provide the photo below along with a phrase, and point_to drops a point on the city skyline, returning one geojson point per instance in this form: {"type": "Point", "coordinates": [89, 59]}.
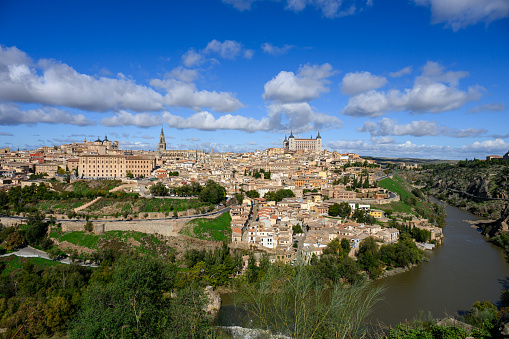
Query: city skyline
{"type": "Point", "coordinates": [420, 78]}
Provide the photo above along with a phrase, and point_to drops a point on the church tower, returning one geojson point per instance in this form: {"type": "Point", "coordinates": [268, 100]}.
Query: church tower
{"type": "Point", "coordinates": [162, 142]}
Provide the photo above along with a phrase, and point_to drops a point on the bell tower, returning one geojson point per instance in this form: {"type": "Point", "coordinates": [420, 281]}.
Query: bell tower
{"type": "Point", "coordinates": [162, 141]}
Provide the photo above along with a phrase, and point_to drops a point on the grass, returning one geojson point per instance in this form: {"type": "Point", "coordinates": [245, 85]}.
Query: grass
{"type": "Point", "coordinates": [146, 243]}
{"type": "Point", "coordinates": [81, 238]}
{"type": "Point", "coordinates": [168, 205]}
{"type": "Point", "coordinates": [395, 185]}
{"type": "Point", "coordinates": [14, 263]}
{"type": "Point", "coordinates": [209, 229]}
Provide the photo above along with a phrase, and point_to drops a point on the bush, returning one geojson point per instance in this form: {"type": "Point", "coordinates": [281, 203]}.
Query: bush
{"type": "Point", "coordinates": [14, 240]}
{"type": "Point", "coordinates": [89, 226]}
{"type": "Point", "coordinates": [46, 243]}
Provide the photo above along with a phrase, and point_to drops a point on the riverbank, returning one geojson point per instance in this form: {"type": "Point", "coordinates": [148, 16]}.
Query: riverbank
{"type": "Point", "coordinates": [465, 269]}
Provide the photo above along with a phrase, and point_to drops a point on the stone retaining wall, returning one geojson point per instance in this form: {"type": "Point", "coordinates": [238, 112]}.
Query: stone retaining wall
{"type": "Point", "coordinates": [167, 228]}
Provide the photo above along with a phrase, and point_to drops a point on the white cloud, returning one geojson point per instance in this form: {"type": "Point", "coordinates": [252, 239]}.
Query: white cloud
{"type": "Point", "coordinates": [184, 74]}
{"type": "Point", "coordinates": [489, 146]}
{"type": "Point", "coordinates": [383, 140]}
{"type": "Point", "coordinates": [61, 85]}
{"type": "Point", "coordinates": [359, 82]}
{"type": "Point", "coordinates": [410, 150]}
{"type": "Point", "coordinates": [458, 14]}
{"type": "Point", "coordinates": [205, 121]}
{"type": "Point", "coordinates": [12, 115]}
{"type": "Point", "coordinates": [330, 8]}
{"type": "Point", "coordinates": [124, 118]}
{"type": "Point", "coordinates": [192, 58]}
{"type": "Point", "coordinates": [248, 54]}
{"type": "Point", "coordinates": [269, 48]}
{"type": "Point", "coordinates": [227, 50]}
{"type": "Point", "coordinates": [308, 84]}
{"type": "Point", "coordinates": [301, 118]}
{"type": "Point", "coordinates": [5, 134]}
{"type": "Point", "coordinates": [185, 94]}
{"type": "Point", "coordinates": [241, 5]}
{"type": "Point", "coordinates": [401, 72]}
{"type": "Point", "coordinates": [386, 127]}
{"type": "Point", "coordinates": [434, 91]}
{"type": "Point", "coordinates": [491, 107]}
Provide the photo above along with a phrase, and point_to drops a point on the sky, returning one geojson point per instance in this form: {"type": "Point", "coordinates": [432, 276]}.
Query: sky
{"type": "Point", "coordinates": [399, 78]}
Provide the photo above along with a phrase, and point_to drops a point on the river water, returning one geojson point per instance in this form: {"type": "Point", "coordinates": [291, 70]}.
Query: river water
{"type": "Point", "coordinates": [465, 269]}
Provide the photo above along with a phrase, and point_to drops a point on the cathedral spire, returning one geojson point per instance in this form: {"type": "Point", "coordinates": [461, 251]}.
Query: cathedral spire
{"type": "Point", "coordinates": [162, 141]}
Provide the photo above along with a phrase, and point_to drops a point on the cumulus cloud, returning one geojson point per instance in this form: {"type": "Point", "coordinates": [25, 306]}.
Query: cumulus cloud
{"type": "Point", "coordinates": [390, 127]}
{"type": "Point", "coordinates": [51, 83]}
{"type": "Point", "coordinates": [184, 94]}
{"type": "Point", "coordinates": [269, 48]}
{"type": "Point", "coordinates": [228, 49]}
{"type": "Point", "coordinates": [408, 149]}
{"type": "Point", "coordinates": [491, 107]}
{"type": "Point", "coordinates": [12, 115]}
{"type": "Point", "coordinates": [401, 72]}
{"type": "Point", "coordinates": [301, 118]}
{"type": "Point", "coordinates": [124, 118]}
{"type": "Point", "coordinates": [359, 82]}
{"type": "Point", "coordinates": [61, 85]}
{"type": "Point", "coordinates": [307, 84]}
{"type": "Point", "coordinates": [458, 14]}
{"type": "Point", "coordinates": [434, 91]}
{"type": "Point", "coordinates": [192, 58]}
{"type": "Point", "coordinates": [205, 121]}
{"type": "Point", "coordinates": [184, 74]}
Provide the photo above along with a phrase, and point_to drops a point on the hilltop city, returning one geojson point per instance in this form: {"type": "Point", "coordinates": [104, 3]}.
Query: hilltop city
{"type": "Point", "coordinates": [279, 199]}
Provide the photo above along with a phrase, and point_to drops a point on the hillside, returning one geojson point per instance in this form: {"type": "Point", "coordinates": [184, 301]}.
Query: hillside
{"type": "Point", "coordinates": [480, 187]}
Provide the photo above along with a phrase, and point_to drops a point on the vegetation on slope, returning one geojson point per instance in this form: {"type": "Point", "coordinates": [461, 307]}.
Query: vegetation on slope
{"type": "Point", "coordinates": [209, 229]}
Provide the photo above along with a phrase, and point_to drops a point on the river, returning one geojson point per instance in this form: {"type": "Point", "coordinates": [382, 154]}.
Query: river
{"type": "Point", "coordinates": [465, 269]}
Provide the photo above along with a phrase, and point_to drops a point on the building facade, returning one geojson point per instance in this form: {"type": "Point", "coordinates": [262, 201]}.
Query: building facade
{"type": "Point", "coordinates": [293, 144]}
{"type": "Point", "coordinates": [115, 166]}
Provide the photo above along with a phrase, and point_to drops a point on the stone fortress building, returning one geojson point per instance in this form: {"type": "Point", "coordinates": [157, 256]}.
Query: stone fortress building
{"type": "Point", "coordinates": [293, 144]}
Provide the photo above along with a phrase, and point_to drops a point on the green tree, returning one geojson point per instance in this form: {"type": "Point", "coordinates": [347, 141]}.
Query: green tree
{"type": "Point", "coordinates": [345, 244]}
{"type": "Point", "coordinates": [297, 229]}
{"type": "Point", "coordinates": [213, 193]}
{"type": "Point", "coordinates": [253, 194]}
{"type": "Point", "coordinates": [36, 227]}
{"type": "Point", "coordinates": [369, 257]}
{"type": "Point", "coordinates": [344, 209]}
{"type": "Point", "coordinates": [159, 189]}
{"type": "Point", "coordinates": [142, 306]}
{"type": "Point", "coordinates": [239, 197]}
{"type": "Point", "coordinates": [129, 174]}
{"type": "Point", "coordinates": [334, 210]}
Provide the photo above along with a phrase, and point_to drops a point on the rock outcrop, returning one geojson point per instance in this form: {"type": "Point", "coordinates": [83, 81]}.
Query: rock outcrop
{"type": "Point", "coordinates": [214, 301]}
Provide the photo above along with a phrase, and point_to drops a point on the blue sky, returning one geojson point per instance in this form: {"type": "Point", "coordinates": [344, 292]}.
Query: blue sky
{"type": "Point", "coordinates": [414, 78]}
